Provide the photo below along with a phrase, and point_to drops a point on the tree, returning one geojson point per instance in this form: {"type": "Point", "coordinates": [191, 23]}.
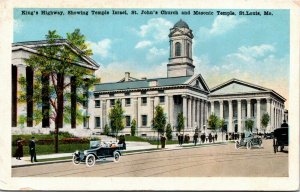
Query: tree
{"type": "Point", "coordinates": [180, 122]}
{"type": "Point", "coordinates": [133, 127]}
{"type": "Point", "coordinates": [213, 122]}
{"type": "Point", "coordinates": [51, 64]}
{"type": "Point", "coordinates": [169, 131]}
{"type": "Point", "coordinates": [116, 117]}
{"type": "Point", "coordinates": [249, 124]}
{"type": "Point", "coordinates": [159, 121]}
{"type": "Point", "coordinates": [106, 130]}
{"type": "Point", "coordinates": [221, 125]}
{"type": "Point", "coordinates": [265, 121]}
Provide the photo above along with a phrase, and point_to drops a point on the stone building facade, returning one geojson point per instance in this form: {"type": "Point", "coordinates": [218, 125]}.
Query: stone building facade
{"type": "Point", "coordinates": [181, 91]}
{"type": "Point", "coordinates": [21, 51]}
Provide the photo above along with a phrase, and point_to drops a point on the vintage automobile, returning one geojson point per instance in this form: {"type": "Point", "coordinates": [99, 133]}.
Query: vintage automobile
{"type": "Point", "coordinates": [98, 152]}
{"type": "Point", "coordinates": [280, 139]}
{"type": "Point", "coordinates": [249, 142]}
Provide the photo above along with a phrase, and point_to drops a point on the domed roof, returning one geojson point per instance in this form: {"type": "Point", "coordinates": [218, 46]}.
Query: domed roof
{"type": "Point", "coordinates": [181, 24]}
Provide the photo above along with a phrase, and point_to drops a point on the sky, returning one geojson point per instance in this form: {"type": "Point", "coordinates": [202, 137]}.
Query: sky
{"type": "Point", "coordinates": [247, 47]}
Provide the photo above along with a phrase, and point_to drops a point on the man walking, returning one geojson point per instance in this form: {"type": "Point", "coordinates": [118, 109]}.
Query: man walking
{"type": "Point", "coordinates": [32, 150]}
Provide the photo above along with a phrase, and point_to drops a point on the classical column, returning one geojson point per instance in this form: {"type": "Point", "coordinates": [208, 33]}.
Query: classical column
{"type": "Point", "coordinates": [189, 113]}
{"type": "Point", "coordinates": [221, 109]}
{"type": "Point", "coordinates": [201, 113]}
{"type": "Point", "coordinates": [151, 112]}
{"type": "Point", "coordinates": [103, 113]}
{"type": "Point", "coordinates": [239, 115]}
{"type": "Point", "coordinates": [248, 108]}
{"type": "Point", "coordinates": [212, 107]}
{"type": "Point", "coordinates": [107, 108]}
{"type": "Point", "coordinates": [198, 114]}
{"type": "Point", "coordinates": [269, 113]}
{"type": "Point", "coordinates": [258, 114]}
{"type": "Point", "coordinates": [135, 112]}
{"type": "Point", "coordinates": [184, 110]}
{"type": "Point", "coordinates": [139, 118]}
{"type": "Point", "coordinates": [206, 113]}
{"type": "Point", "coordinates": [230, 127]}
{"type": "Point", "coordinates": [171, 110]}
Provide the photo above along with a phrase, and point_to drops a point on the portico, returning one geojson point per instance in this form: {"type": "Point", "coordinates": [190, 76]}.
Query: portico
{"type": "Point", "coordinates": [236, 101]}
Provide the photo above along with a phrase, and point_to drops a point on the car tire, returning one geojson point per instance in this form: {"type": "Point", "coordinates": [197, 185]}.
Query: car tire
{"type": "Point", "coordinates": [117, 156]}
{"type": "Point", "coordinates": [90, 160]}
{"type": "Point", "coordinates": [249, 145]}
{"type": "Point", "coordinates": [237, 145]}
{"type": "Point", "coordinates": [75, 160]}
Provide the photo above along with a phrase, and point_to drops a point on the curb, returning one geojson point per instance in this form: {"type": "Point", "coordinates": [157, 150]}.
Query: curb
{"type": "Point", "coordinates": [125, 154]}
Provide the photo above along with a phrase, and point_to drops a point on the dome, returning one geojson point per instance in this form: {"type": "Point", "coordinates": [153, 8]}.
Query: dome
{"type": "Point", "coordinates": [181, 24]}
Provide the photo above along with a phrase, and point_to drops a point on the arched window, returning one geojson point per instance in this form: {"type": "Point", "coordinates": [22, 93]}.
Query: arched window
{"type": "Point", "coordinates": [177, 49]}
{"type": "Point", "coordinates": [188, 50]}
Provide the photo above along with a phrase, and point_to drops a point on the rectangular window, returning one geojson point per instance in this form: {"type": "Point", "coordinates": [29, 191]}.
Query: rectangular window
{"type": "Point", "coordinates": [144, 100]}
{"type": "Point", "coordinates": [161, 91]}
{"type": "Point", "coordinates": [127, 93]}
{"type": "Point", "coordinates": [84, 122]}
{"type": "Point", "coordinates": [112, 102]}
{"type": "Point", "coordinates": [127, 102]}
{"type": "Point", "coordinates": [128, 121]}
{"type": "Point", "coordinates": [97, 122]}
{"type": "Point", "coordinates": [161, 99]}
{"type": "Point", "coordinates": [144, 120]}
{"type": "Point", "coordinates": [96, 95]}
{"type": "Point", "coordinates": [143, 92]}
{"type": "Point", "coordinates": [97, 103]}
{"type": "Point", "coordinates": [111, 94]}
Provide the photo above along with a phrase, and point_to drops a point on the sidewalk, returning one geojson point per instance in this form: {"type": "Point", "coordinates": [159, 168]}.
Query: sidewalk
{"type": "Point", "coordinates": [132, 148]}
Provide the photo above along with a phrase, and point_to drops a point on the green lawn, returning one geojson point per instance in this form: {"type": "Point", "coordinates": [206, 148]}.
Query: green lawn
{"type": "Point", "coordinates": [49, 149]}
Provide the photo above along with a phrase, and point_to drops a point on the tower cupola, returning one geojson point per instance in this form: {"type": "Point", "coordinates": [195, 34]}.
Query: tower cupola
{"type": "Point", "coordinates": [180, 61]}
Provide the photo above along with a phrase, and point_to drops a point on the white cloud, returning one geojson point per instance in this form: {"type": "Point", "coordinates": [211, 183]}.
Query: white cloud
{"type": "Point", "coordinates": [250, 54]}
{"type": "Point", "coordinates": [143, 44]}
{"type": "Point", "coordinates": [157, 28]}
{"type": "Point", "coordinates": [102, 47]}
{"type": "Point", "coordinates": [222, 24]}
{"type": "Point", "coordinates": [157, 52]}
{"type": "Point", "coordinates": [18, 25]}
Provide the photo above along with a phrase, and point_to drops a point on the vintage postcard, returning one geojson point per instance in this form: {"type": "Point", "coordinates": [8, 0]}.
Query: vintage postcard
{"type": "Point", "coordinates": [153, 95]}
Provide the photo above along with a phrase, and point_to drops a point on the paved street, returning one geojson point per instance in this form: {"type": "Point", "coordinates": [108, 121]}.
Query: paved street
{"type": "Point", "coordinates": [208, 161]}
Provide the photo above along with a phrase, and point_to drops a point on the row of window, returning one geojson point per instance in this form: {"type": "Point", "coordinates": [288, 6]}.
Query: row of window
{"type": "Point", "coordinates": [128, 93]}
{"type": "Point", "coordinates": [127, 121]}
{"type": "Point", "coordinates": [128, 101]}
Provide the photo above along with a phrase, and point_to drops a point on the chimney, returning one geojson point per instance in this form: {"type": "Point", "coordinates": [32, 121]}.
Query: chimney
{"type": "Point", "coordinates": [153, 83]}
{"type": "Point", "coordinates": [127, 76]}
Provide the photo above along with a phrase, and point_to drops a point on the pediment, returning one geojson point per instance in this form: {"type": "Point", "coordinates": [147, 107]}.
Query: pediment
{"type": "Point", "coordinates": [199, 83]}
{"type": "Point", "coordinates": [178, 32]}
{"type": "Point", "coordinates": [237, 87]}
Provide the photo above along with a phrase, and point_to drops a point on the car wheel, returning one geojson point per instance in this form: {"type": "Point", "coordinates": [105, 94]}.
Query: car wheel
{"type": "Point", "coordinates": [116, 156]}
{"type": "Point", "coordinates": [249, 145]}
{"type": "Point", "coordinates": [76, 160]}
{"type": "Point", "coordinates": [237, 145]}
{"type": "Point", "coordinates": [90, 160]}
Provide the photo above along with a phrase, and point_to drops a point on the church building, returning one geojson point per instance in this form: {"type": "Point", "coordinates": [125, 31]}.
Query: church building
{"type": "Point", "coordinates": [181, 91]}
{"type": "Point", "coordinates": [184, 91]}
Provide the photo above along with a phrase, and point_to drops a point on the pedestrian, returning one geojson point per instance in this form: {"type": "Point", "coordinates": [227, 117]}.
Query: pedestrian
{"type": "Point", "coordinates": [284, 124]}
{"type": "Point", "coordinates": [163, 141]}
{"type": "Point", "coordinates": [19, 150]}
{"type": "Point", "coordinates": [181, 139]}
{"type": "Point", "coordinates": [202, 138]}
{"type": "Point", "coordinates": [32, 150]}
{"type": "Point", "coordinates": [210, 137]}
{"type": "Point", "coordinates": [195, 138]}
{"type": "Point", "coordinates": [178, 139]}
{"type": "Point", "coordinates": [206, 138]}
{"type": "Point", "coordinates": [216, 136]}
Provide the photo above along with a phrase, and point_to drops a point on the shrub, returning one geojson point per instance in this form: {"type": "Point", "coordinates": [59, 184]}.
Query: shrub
{"type": "Point", "coordinates": [106, 130]}
{"type": "Point", "coordinates": [169, 132]}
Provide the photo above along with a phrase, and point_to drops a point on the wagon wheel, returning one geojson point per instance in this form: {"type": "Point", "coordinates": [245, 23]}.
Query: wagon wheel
{"type": "Point", "coordinates": [90, 160]}
{"type": "Point", "coordinates": [76, 160]}
{"type": "Point", "coordinates": [237, 145]}
{"type": "Point", "coordinates": [249, 145]}
{"type": "Point", "coordinates": [116, 157]}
